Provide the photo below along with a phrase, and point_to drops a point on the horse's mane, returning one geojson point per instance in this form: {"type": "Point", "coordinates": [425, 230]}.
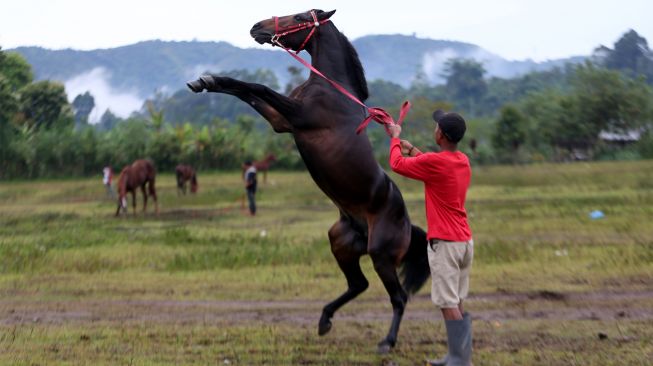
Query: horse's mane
{"type": "Point", "coordinates": [356, 70]}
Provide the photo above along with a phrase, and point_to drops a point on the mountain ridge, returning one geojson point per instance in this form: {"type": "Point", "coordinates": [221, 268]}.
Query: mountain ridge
{"type": "Point", "coordinates": [142, 69]}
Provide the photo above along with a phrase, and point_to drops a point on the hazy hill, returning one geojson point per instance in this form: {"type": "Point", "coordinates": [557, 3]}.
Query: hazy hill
{"type": "Point", "coordinates": [152, 65]}
{"type": "Point", "coordinates": [398, 58]}
{"type": "Point", "coordinates": [120, 78]}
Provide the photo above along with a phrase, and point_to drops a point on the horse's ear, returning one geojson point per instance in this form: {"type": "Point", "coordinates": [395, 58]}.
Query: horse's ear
{"type": "Point", "coordinates": [325, 14]}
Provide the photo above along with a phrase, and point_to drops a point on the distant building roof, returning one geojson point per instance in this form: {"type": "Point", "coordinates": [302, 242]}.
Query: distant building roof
{"type": "Point", "coordinates": [626, 136]}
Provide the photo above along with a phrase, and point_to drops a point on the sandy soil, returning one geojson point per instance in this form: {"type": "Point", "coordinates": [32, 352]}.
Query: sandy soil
{"type": "Point", "coordinates": [602, 305]}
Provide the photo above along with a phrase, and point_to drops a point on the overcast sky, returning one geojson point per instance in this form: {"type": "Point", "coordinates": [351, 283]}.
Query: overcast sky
{"type": "Point", "coordinates": [514, 29]}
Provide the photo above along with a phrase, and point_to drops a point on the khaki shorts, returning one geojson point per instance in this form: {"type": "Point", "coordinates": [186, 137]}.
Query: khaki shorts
{"type": "Point", "coordinates": [450, 262]}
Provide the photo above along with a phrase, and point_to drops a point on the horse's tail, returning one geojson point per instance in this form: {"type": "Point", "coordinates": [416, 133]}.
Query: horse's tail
{"type": "Point", "coordinates": [415, 265]}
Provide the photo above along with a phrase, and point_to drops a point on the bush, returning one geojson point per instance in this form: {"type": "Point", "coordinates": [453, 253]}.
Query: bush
{"type": "Point", "coordinates": [645, 146]}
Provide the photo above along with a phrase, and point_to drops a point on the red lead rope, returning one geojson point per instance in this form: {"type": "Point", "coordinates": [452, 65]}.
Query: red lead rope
{"type": "Point", "coordinates": [374, 113]}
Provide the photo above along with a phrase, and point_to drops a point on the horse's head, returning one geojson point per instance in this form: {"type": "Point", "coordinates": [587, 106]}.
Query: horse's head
{"type": "Point", "coordinates": [290, 31]}
{"type": "Point", "coordinates": [122, 204]}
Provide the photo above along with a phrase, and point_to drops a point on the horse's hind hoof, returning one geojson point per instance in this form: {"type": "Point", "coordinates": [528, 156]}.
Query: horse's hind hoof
{"type": "Point", "coordinates": [324, 326]}
{"type": "Point", "coordinates": [196, 86]}
{"type": "Point", "coordinates": [383, 348]}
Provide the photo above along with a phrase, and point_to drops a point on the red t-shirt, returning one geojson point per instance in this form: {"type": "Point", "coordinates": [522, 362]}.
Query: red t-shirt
{"type": "Point", "coordinates": [446, 176]}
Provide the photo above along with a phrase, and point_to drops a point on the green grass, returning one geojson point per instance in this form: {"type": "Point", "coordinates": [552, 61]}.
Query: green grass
{"type": "Point", "coordinates": [63, 252]}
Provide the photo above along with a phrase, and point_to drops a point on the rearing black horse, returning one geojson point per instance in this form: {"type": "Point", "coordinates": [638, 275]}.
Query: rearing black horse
{"type": "Point", "coordinates": [373, 216]}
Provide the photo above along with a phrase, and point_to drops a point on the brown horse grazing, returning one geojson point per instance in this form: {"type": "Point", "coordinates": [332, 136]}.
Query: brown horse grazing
{"type": "Point", "coordinates": [184, 174]}
{"type": "Point", "coordinates": [373, 216]}
{"type": "Point", "coordinates": [138, 174]}
{"type": "Point", "coordinates": [264, 165]}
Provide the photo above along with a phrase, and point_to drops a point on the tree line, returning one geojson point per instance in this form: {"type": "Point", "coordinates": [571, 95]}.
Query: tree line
{"type": "Point", "coordinates": [541, 116]}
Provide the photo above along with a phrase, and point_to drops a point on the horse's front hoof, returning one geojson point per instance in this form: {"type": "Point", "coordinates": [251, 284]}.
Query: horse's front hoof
{"type": "Point", "coordinates": [384, 347]}
{"type": "Point", "coordinates": [325, 325]}
{"type": "Point", "coordinates": [196, 86]}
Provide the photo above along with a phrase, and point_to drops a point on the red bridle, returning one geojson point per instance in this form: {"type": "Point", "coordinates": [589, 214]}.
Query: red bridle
{"type": "Point", "coordinates": [374, 113]}
{"type": "Point", "coordinates": [294, 29]}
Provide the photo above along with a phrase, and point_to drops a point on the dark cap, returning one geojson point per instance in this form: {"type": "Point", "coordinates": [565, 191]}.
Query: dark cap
{"type": "Point", "coordinates": [451, 124]}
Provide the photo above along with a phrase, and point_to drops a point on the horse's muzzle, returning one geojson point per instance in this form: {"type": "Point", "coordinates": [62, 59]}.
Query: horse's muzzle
{"type": "Point", "coordinates": [259, 34]}
{"type": "Point", "coordinates": [262, 38]}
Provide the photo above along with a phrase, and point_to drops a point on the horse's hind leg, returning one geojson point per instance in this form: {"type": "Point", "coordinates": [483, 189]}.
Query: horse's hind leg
{"type": "Point", "coordinates": [347, 247]}
{"type": "Point", "coordinates": [152, 189]}
{"type": "Point", "coordinates": [387, 245]}
{"type": "Point", "coordinates": [144, 197]}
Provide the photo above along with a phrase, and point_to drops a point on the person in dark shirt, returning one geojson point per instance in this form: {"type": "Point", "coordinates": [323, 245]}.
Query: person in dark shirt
{"type": "Point", "coordinates": [446, 176]}
{"type": "Point", "coordinates": [250, 185]}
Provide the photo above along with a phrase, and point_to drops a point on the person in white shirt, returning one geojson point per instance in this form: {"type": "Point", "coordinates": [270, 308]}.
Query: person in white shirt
{"type": "Point", "coordinates": [107, 179]}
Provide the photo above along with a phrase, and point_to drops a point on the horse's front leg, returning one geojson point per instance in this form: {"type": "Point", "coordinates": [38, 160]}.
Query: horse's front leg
{"type": "Point", "coordinates": [134, 201]}
{"type": "Point", "coordinates": [274, 107]}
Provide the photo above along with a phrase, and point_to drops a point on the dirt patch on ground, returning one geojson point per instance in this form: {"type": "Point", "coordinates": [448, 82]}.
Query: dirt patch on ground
{"type": "Point", "coordinates": [604, 305]}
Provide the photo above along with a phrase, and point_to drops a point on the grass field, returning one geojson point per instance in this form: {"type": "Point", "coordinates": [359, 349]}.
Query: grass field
{"type": "Point", "coordinates": [202, 283]}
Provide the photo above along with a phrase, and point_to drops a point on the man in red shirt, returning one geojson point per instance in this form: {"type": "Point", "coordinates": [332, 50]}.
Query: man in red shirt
{"type": "Point", "coordinates": [446, 176]}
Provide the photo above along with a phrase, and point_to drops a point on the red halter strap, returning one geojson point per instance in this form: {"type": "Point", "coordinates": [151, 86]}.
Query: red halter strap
{"type": "Point", "coordinates": [281, 32]}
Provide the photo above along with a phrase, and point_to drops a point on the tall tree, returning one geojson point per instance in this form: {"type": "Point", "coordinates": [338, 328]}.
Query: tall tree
{"type": "Point", "coordinates": [44, 104]}
{"type": "Point", "coordinates": [600, 100]}
{"type": "Point", "coordinates": [8, 107]}
{"type": "Point", "coordinates": [16, 71]}
{"type": "Point", "coordinates": [385, 93]}
{"type": "Point", "coordinates": [156, 116]}
{"type": "Point", "coordinates": [510, 132]}
{"type": "Point", "coordinates": [108, 121]}
{"type": "Point", "coordinates": [420, 82]}
{"type": "Point", "coordinates": [8, 103]}
{"type": "Point", "coordinates": [609, 101]}
{"type": "Point", "coordinates": [630, 55]}
{"type": "Point", "coordinates": [82, 105]}
{"type": "Point", "coordinates": [465, 82]}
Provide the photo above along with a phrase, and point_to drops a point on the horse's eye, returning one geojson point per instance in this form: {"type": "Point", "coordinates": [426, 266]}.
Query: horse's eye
{"type": "Point", "coordinates": [298, 18]}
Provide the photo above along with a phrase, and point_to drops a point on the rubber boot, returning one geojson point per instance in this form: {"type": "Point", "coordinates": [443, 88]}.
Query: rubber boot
{"type": "Point", "coordinates": [466, 344]}
{"type": "Point", "coordinates": [439, 362]}
{"type": "Point", "coordinates": [459, 341]}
